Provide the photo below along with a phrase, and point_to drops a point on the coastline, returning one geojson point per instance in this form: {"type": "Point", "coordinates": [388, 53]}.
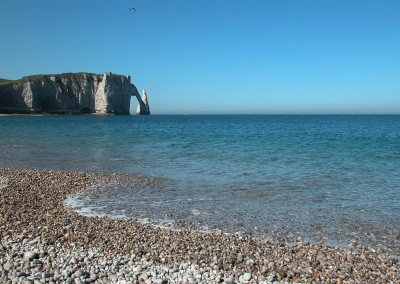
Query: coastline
{"type": "Point", "coordinates": [57, 244]}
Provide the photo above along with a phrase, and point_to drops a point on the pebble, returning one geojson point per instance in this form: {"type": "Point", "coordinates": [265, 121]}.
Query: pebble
{"type": "Point", "coordinates": [138, 269]}
{"type": "Point", "coordinates": [78, 273]}
{"type": "Point", "coordinates": [7, 266]}
{"type": "Point", "coordinates": [112, 277]}
{"type": "Point", "coordinates": [144, 276]}
{"type": "Point", "coordinates": [247, 276]}
{"type": "Point", "coordinates": [61, 246]}
{"type": "Point", "coordinates": [30, 255]}
{"type": "Point", "coordinates": [93, 277]}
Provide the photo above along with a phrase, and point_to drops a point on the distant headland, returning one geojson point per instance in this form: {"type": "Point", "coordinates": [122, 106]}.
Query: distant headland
{"type": "Point", "coordinates": [71, 93]}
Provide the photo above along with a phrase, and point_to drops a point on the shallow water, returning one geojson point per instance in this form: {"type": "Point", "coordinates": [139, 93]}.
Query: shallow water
{"type": "Point", "coordinates": [326, 178]}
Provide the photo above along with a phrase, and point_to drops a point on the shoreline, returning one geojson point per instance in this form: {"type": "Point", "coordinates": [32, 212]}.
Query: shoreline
{"type": "Point", "coordinates": [56, 243]}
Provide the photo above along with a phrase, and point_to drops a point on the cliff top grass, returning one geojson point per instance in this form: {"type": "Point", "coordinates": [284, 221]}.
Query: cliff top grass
{"type": "Point", "coordinates": [5, 81]}
{"type": "Point", "coordinates": [44, 77]}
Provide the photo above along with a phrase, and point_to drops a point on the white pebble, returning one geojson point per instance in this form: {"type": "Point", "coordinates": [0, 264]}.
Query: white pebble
{"type": "Point", "coordinates": [247, 276]}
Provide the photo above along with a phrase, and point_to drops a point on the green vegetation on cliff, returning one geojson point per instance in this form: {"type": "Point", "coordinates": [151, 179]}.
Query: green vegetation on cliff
{"type": "Point", "coordinates": [5, 81]}
{"type": "Point", "coordinates": [44, 77]}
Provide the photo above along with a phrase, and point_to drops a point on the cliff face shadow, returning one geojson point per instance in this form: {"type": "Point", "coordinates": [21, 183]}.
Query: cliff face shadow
{"type": "Point", "coordinates": [48, 104]}
{"type": "Point", "coordinates": [12, 101]}
{"type": "Point", "coordinates": [86, 110]}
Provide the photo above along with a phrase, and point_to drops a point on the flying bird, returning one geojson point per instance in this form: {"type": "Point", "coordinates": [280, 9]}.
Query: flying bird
{"type": "Point", "coordinates": [132, 9]}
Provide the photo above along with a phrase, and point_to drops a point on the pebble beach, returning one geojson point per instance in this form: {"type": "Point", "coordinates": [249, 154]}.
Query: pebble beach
{"type": "Point", "coordinates": [42, 241]}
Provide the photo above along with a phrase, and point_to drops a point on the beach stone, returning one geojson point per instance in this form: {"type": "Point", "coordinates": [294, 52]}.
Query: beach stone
{"type": "Point", "coordinates": [66, 273]}
{"type": "Point", "coordinates": [247, 276]}
{"type": "Point", "coordinates": [93, 276]}
{"type": "Point", "coordinates": [112, 277]}
{"type": "Point", "coordinates": [138, 269]}
{"type": "Point", "coordinates": [30, 255]}
{"type": "Point", "coordinates": [57, 276]}
{"type": "Point", "coordinates": [45, 275]}
{"type": "Point", "coordinates": [271, 278]}
{"type": "Point", "coordinates": [249, 262]}
{"type": "Point", "coordinates": [144, 276]}
{"type": "Point", "coordinates": [78, 273]}
{"type": "Point", "coordinates": [8, 266]}
{"type": "Point", "coordinates": [184, 266]}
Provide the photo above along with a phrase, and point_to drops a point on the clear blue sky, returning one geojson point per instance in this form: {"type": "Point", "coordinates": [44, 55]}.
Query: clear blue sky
{"type": "Point", "coordinates": [263, 57]}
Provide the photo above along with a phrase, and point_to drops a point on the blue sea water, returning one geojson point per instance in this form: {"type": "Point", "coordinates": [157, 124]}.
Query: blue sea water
{"type": "Point", "coordinates": [328, 178]}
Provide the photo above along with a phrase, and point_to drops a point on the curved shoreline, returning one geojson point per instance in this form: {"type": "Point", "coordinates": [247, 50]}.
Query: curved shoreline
{"type": "Point", "coordinates": [32, 216]}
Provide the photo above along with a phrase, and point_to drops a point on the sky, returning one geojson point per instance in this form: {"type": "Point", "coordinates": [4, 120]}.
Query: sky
{"type": "Point", "coordinates": [217, 57]}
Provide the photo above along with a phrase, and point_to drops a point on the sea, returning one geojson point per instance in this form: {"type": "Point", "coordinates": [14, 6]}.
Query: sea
{"type": "Point", "coordinates": [331, 179]}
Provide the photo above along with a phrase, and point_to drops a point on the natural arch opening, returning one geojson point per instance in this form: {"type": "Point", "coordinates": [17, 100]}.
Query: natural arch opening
{"type": "Point", "coordinates": [133, 105]}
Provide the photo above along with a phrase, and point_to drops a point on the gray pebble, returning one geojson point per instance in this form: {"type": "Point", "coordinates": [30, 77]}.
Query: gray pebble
{"type": "Point", "coordinates": [93, 276]}
{"type": "Point", "coordinates": [78, 273]}
{"type": "Point", "coordinates": [138, 269]}
{"type": "Point", "coordinates": [112, 277]}
{"type": "Point", "coordinates": [57, 276]}
{"type": "Point", "coordinates": [7, 266]}
{"type": "Point", "coordinates": [30, 255]}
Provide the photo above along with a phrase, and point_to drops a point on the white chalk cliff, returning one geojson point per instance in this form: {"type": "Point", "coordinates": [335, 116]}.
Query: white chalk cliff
{"type": "Point", "coordinates": [70, 93]}
{"type": "Point", "coordinates": [143, 108]}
